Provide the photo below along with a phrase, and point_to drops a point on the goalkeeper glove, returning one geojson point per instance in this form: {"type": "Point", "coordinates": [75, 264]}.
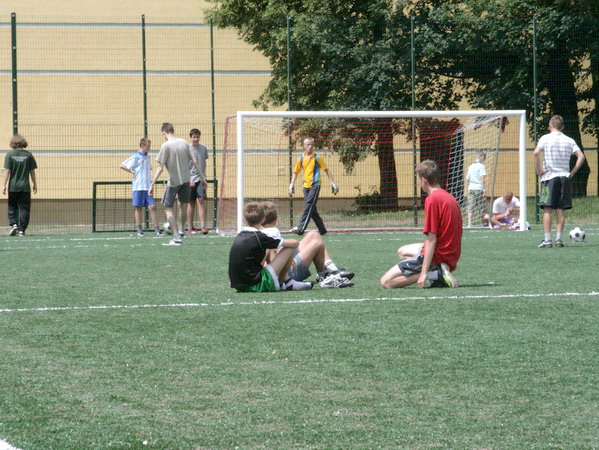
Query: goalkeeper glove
{"type": "Point", "coordinates": [291, 189]}
{"type": "Point", "coordinates": [334, 188]}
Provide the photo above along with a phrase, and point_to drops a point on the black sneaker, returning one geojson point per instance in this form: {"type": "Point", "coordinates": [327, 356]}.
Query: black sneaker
{"type": "Point", "coordinates": [296, 230]}
{"type": "Point", "coordinates": [447, 277]}
{"type": "Point", "coordinates": [559, 243]}
{"type": "Point", "coordinates": [546, 244]}
{"type": "Point", "coordinates": [13, 230]}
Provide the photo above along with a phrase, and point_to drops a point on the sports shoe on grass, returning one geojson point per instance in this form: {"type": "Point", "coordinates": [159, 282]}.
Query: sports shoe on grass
{"type": "Point", "coordinates": [172, 242]}
{"type": "Point", "coordinates": [140, 233]}
{"type": "Point", "coordinates": [559, 243]}
{"type": "Point", "coordinates": [204, 230]}
{"type": "Point", "coordinates": [193, 230]}
{"type": "Point", "coordinates": [181, 231]}
{"type": "Point", "coordinates": [13, 230]}
{"type": "Point", "coordinates": [21, 233]}
{"type": "Point", "coordinates": [447, 277]}
{"type": "Point", "coordinates": [296, 230]}
{"type": "Point", "coordinates": [335, 281]}
{"type": "Point", "coordinates": [292, 285]}
{"type": "Point", "coordinates": [546, 244]}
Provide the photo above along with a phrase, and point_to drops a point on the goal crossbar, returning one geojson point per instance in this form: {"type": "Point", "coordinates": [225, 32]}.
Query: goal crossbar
{"type": "Point", "coordinates": [521, 114]}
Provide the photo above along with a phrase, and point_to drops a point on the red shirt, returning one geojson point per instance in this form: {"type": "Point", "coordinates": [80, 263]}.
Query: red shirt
{"type": "Point", "coordinates": [443, 217]}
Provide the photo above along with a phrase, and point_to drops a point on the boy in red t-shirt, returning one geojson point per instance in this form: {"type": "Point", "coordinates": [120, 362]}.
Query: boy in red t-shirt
{"type": "Point", "coordinates": [438, 256]}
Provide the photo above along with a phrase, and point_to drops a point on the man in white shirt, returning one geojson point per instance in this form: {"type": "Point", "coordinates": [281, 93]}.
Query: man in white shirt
{"type": "Point", "coordinates": [506, 211]}
{"type": "Point", "coordinates": [555, 173]}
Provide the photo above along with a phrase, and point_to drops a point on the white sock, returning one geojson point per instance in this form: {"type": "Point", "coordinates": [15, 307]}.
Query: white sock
{"type": "Point", "coordinates": [330, 266]}
{"type": "Point", "coordinates": [432, 275]}
{"type": "Point", "coordinates": [558, 236]}
{"type": "Point", "coordinates": [547, 237]}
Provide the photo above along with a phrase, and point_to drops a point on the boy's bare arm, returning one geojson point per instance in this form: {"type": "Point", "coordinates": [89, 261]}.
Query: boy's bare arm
{"type": "Point", "coordinates": [290, 243]}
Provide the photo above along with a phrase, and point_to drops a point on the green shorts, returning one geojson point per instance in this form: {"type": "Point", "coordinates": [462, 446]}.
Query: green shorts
{"type": "Point", "coordinates": [269, 282]}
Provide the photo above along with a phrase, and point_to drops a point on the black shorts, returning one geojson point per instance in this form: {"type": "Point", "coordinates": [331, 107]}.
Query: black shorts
{"type": "Point", "coordinates": [172, 192]}
{"type": "Point", "coordinates": [197, 191]}
{"type": "Point", "coordinates": [556, 193]}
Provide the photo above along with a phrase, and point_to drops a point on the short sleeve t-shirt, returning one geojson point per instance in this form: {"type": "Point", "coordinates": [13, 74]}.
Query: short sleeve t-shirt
{"type": "Point", "coordinates": [501, 207]}
{"type": "Point", "coordinates": [557, 150]}
{"type": "Point", "coordinates": [201, 154]}
{"type": "Point", "coordinates": [475, 173]}
{"type": "Point", "coordinates": [140, 164]}
{"type": "Point", "coordinates": [246, 255]}
{"type": "Point", "coordinates": [312, 165]}
{"type": "Point", "coordinates": [20, 163]}
{"type": "Point", "coordinates": [176, 156]}
{"type": "Point", "coordinates": [443, 217]}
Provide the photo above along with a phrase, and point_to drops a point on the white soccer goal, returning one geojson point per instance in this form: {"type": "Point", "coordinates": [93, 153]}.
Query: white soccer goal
{"type": "Point", "coordinates": [372, 155]}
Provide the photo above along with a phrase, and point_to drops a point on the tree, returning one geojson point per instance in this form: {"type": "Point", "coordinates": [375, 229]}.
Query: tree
{"type": "Point", "coordinates": [346, 55]}
{"type": "Point", "coordinates": [355, 55]}
{"type": "Point", "coordinates": [486, 47]}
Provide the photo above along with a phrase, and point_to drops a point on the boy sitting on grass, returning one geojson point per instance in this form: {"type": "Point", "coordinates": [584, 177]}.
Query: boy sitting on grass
{"type": "Point", "coordinates": [311, 249]}
{"type": "Point", "coordinates": [246, 272]}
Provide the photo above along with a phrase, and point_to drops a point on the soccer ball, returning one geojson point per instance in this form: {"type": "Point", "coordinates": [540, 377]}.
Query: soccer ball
{"type": "Point", "coordinates": [577, 234]}
{"type": "Point", "coordinates": [167, 228]}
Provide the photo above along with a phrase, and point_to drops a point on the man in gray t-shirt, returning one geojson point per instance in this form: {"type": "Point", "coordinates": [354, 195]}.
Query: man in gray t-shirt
{"type": "Point", "coordinates": [176, 157]}
{"type": "Point", "coordinates": [198, 184]}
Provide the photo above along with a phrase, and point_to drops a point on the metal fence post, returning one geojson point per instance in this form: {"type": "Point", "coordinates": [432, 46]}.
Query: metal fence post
{"type": "Point", "coordinates": [15, 109]}
{"type": "Point", "coordinates": [212, 89]}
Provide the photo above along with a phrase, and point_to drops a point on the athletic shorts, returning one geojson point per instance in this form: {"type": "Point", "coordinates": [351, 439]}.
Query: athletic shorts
{"type": "Point", "coordinates": [477, 202]}
{"type": "Point", "coordinates": [556, 193]}
{"type": "Point", "coordinates": [413, 265]}
{"type": "Point", "coordinates": [197, 191]}
{"type": "Point", "coordinates": [173, 192]}
{"type": "Point", "coordinates": [298, 271]}
{"type": "Point", "coordinates": [142, 198]}
{"type": "Point", "coordinates": [269, 282]}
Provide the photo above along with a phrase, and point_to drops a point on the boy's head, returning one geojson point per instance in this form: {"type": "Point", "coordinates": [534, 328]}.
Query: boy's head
{"type": "Point", "coordinates": [18, 142]}
{"type": "Point", "coordinates": [253, 214]}
{"type": "Point", "coordinates": [144, 144]}
{"type": "Point", "coordinates": [309, 145]}
{"type": "Point", "coordinates": [429, 171]}
{"type": "Point", "coordinates": [556, 123]}
{"type": "Point", "coordinates": [480, 157]}
{"type": "Point", "coordinates": [271, 215]}
{"type": "Point", "coordinates": [167, 128]}
{"type": "Point", "coordinates": [195, 135]}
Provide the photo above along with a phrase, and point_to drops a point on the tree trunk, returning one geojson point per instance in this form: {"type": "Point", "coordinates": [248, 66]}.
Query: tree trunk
{"type": "Point", "coordinates": [387, 169]}
{"type": "Point", "coordinates": [562, 93]}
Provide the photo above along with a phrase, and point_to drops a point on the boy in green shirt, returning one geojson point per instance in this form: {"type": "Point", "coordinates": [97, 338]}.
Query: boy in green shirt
{"type": "Point", "coordinates": [19, 165]}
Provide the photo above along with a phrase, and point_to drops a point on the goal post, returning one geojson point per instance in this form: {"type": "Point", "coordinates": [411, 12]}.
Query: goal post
{"type": "Point", "coordinates": [263, 134]}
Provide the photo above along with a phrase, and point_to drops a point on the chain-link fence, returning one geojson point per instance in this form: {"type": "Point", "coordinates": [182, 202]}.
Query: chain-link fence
{"type": "Point", "coordinates": [84, 92]}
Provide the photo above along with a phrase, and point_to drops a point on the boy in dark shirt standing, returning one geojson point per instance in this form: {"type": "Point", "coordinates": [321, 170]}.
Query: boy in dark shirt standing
{"type": "Point", "coordinates": [246, 271]}
{"type": "Point", "coordinates": [20, 165]}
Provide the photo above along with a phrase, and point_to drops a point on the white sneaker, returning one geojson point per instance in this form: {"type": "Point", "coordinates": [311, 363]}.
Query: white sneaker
{"type": "Point", "coordinates": [13, 230]}
{"type": "Point", "coordinates": [181, 231]}
{"type": "Point", "coordinates": [335, 281]}
{"type": "Point", "coordinates": [172, 242]}
{"type": "Point", "coordinates": [447, 277]}
{"type": "Point", "coordinates": [292, 285]}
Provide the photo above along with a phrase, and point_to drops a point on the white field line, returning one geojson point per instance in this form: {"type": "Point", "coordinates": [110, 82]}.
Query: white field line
{"type": "Point", "coordinates": [297, 302]}
{"type": "Point", "coordinates": [6, 446]}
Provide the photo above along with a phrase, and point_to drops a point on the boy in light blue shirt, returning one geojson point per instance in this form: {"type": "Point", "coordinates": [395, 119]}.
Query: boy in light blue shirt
{"type": "Point", "coordinates": [140, 166]}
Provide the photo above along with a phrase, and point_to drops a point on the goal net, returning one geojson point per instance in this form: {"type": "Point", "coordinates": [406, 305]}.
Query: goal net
{"type": "Point", "coordinates": [372, 157]}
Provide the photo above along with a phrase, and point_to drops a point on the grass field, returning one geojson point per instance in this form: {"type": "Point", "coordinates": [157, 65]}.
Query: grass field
{"type": "Point", "coordinates": [114, 341]}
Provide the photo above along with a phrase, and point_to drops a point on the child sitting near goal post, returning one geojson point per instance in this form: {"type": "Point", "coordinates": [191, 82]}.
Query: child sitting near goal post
{"type": "Point", "coordinates": [246, 272]}
{"type": "Point", "coordinates": [311, 249]}
{"type": "Point", "coordinates": [438, 256]}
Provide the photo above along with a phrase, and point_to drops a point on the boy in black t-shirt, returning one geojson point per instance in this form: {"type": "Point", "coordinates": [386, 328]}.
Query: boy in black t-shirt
{"type": "Point", "coordinates": [246, 270]}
